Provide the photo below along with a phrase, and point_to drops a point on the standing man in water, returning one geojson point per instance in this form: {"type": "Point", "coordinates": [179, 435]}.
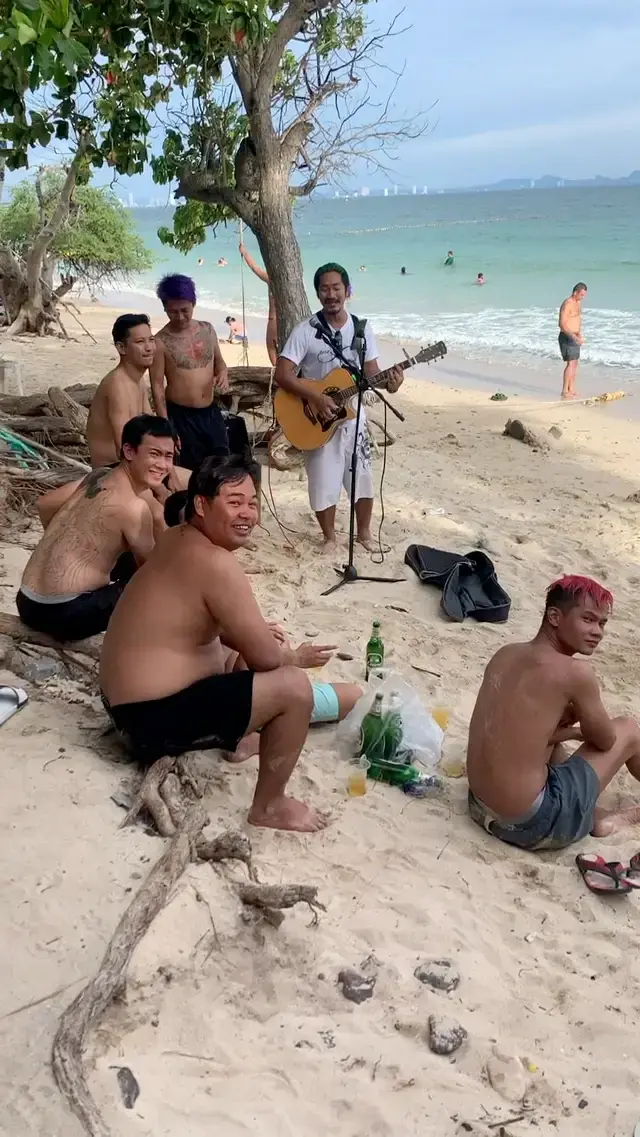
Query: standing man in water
{"type": "Point", "coordinates": [307, 356]}
{"type": "Point", "coordinates": [188, 357]}
{"type": "Point", "coordinates": [570, 338]}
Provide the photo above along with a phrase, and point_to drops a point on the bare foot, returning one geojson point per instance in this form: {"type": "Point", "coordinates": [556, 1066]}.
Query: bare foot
{"type": "Point", "coordinates": [287, 813]}
{"type": "Point", "coordinates": [329, 546]}
{"type": "Point", "coordinates": [610, 821]}
{"type": "Point", "coordinates": [371, 545]}
{"type": "Point", "coordinates": [247, 748]}
{"type": "Point", "coordinates": [569, 395]}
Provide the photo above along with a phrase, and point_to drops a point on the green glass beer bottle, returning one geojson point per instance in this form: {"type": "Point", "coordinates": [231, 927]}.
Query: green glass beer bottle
{"type": "Point", "coordinates": [375, 650]}
{"type": "Point", "coordinates": [372, 732]}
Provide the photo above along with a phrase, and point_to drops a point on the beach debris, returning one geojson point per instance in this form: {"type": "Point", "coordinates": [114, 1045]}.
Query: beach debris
{"type": "Point", "coordinates": [129, 1088]}
{"type": "Point", "coordinates": [605, 397]}
{"type": "Point", "coordinates": [452, 439]}
{"type": "Point", "coordinates": [439, 974]}
{"type": "Point", "coordinates": [417, 666]}
{"type": "Point", "coordinates": [371, 964]}
{"type": "Point", "coordinates": [345, 656]}
{"type": "Point", "coordinates": [515, 428]}
{"type": "Point", "coordinates": [635, 497]}
{"type": "Point", "coordinates": [312, 633]}
{"type": "Point", "coordinates": [356, 987]}
{"type": "Point", "coordinates": [498, 397]}
{"type": "Point", "coordinates": [38, 670]}
{"type": "Point", "coordinates": [445, 1035]}
{"type": "Point", "coordinates": [555, 431]}
{"type": "Point", "coordinates": [122, 798]}
{"type": "Point", "coordinates": [506, 1074]}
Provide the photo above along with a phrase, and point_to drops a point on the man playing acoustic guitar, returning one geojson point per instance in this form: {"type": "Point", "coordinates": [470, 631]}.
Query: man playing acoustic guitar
{"type": "Point", "coordinates": [307, 356]}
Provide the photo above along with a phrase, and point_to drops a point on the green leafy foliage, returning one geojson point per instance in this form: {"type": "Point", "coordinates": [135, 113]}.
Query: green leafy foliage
{"type": "Point", "coordinates": [97, 243]}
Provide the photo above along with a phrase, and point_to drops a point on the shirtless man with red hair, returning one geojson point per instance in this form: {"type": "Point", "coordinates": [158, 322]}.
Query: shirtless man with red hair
{"type": "Point", "coordinates": [523, 787]}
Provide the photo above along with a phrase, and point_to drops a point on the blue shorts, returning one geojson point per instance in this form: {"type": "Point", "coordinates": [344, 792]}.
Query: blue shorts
{"type": "Point", "coordinates": [325, 703]}
{"type": "Point", "coordinates": [562, 814]}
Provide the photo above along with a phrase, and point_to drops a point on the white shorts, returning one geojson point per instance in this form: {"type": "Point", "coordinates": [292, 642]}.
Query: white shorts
{"type": "Point", "coordinates": [329, 468]}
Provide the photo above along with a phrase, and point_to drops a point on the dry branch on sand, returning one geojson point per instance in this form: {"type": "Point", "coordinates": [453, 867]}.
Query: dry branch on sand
{"type": "Point", "coordinates": [160, 785]}
{"type": "Point", "coordinates": [11, 625]}
{"type": "Point", "coordinates": [514, 428]}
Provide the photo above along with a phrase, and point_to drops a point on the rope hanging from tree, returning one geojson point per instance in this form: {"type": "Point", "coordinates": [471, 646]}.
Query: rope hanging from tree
{"type": "Point", "coordinates": [245, 337]}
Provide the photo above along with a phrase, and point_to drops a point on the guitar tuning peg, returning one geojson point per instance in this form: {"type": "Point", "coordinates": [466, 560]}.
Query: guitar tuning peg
{"type": "Point", "coordinates": [406, 353]}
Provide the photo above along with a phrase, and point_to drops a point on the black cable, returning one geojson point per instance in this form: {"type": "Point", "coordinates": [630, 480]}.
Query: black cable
{"type": "Point", "coordinates": [381, 554]}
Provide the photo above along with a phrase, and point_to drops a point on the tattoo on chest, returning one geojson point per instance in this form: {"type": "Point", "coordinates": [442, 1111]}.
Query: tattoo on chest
{"type": "Point", "coordinates": [192, 350]}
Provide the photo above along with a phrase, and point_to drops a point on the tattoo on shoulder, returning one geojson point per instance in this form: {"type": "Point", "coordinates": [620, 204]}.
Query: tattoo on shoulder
{"type": "Point", "coordinates": [93, 483]}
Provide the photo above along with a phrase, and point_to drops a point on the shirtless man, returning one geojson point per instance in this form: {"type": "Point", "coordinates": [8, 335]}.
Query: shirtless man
{"type": "Point", "coordinates": [189, 663]}
{"type": "Point", "coordinates": [188, 356]}
{"type": "Point", "coordinates": [271, 336]}
{"type": "Point", "coordinates": [66, 590]}
{"type": "Point", "coordinates": [570, 337]}
{"type": "Point", "coordinates": [122, 394]}
{"type": "Point", "coordinates": [534, 697]}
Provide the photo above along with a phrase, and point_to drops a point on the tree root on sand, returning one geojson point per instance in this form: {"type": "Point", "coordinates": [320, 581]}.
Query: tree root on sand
{"type": "Point", "coordinates": [161, 794]}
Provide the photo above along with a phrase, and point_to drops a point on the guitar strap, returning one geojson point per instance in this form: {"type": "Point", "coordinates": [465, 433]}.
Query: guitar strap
{"type": "Point", "coordinates": [358, 343]}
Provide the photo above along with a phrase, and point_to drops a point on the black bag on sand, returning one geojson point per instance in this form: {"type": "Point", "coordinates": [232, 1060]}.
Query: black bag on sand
{"type": "Point", "coordinates": [469, 584]}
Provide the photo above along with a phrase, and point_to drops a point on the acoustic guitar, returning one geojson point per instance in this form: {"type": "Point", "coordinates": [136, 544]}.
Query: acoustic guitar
{"type": "Point", "coordinates": [297, 419]}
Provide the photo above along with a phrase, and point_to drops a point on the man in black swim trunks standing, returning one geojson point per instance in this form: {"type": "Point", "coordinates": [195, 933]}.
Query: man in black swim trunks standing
{"type": "Point", "coordinates": [188, 357]}
{"type": "Point", "coordinates": [570, 338]}
{"type": "Point", "coordinates": [66, 591]}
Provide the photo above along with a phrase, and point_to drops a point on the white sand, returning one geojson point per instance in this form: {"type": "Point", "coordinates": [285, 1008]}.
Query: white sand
{"type": "Point", "coordinates": [252, 1033]}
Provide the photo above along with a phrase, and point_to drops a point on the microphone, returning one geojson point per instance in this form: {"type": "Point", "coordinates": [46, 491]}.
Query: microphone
{"type": "Point", "coordinates": [317, 327]}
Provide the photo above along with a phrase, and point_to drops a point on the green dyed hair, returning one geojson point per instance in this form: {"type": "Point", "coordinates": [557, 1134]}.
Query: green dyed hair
{"type": "Point", "coordinates": [331, 267]}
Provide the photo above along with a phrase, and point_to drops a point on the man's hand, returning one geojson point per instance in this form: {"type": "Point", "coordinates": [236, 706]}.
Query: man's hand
{"type": "Point", "coordinates": [312, 655]}
{"type": "Point", "coordinates": [579, 339]}
{"type": "Point", "coordinates": [322, 406]}
{"type": "Point", "coordinates": [279, 634]}
{"type": "Point", "coordinates": [395, 381]}
{"type": "Point", "coordinates": [221, 384]}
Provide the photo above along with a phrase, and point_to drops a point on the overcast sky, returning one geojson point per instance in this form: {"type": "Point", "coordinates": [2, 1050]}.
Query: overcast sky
{"type": "Point", "coordinates": [519, 90]}
{"type": "Point", "coordinates": [522, 89]}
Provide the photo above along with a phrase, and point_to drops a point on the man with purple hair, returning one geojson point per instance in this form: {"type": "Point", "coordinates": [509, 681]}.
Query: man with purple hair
{"type": "Point", "coordinates": [188, 357]}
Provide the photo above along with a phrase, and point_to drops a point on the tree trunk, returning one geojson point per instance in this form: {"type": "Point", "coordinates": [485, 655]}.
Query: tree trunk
{"type": "Point", "coordinates": [280, 250]}
{"type": "Point", "coordinates": [38, 310]}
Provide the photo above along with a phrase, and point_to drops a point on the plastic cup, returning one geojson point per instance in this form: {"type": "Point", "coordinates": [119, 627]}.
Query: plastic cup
{"type": "Point", "coordinates": [357, 780]}
{"type": "Point", "coordinates": [441, 715]}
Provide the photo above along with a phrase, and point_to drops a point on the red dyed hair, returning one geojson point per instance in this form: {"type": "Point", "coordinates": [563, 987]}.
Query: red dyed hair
{"type": "Point", "coordinates": [569, 590]}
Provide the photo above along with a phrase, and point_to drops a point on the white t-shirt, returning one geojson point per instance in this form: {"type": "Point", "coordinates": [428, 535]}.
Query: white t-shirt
{"type": "Point", "coordinates": [315, 358]}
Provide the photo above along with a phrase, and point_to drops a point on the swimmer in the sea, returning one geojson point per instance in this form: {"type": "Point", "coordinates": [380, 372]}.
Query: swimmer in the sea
{"type": "Point", "coordinates": [480, 278]}
{"type": "Point", "coordinates": [449, 257]}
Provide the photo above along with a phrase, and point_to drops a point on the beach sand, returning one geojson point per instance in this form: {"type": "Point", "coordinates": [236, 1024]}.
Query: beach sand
{"type": "Point", "coordinates": [246, 1030]}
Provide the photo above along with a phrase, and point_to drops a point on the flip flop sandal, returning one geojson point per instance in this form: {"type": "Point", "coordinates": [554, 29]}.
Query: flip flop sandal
{"type": "Point", "coordinates": [12, 699]}
{"type": "Point", "coordinates": [632, 874]}
{"type": "Point", "coordinates": [603, 877]}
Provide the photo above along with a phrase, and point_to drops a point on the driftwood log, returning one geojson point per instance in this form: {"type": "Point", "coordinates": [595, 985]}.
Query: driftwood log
{"type": "Point", "coordinates": [86, 1010]}
{"type": "Point", "coordinates": [11, 625]}
{"type": "Point", "coordinates": [68, 409]}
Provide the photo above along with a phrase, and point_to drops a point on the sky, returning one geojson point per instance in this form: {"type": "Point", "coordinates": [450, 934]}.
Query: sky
{"type": "Point", "coordinates": [515, 90]}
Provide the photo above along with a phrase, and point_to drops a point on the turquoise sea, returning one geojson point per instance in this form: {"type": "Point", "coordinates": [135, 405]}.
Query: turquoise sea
{"type": "Point", "coordinates": [532, 246]}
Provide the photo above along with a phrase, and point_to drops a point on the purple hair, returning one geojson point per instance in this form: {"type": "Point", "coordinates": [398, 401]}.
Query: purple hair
{"type": "Point", "coordinates": [176, 287]}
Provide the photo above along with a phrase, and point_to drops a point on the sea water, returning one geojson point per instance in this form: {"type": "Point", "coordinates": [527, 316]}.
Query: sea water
{"type": "Point", "coordinates": [531, 245]}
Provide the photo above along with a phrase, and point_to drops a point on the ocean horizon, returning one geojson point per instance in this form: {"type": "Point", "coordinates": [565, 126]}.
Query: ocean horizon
{"type": "Point", "coordinates": [531, 245]}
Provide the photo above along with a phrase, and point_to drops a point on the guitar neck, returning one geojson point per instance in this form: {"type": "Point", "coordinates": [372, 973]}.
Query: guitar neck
{"type": "Point", "coordinates": [378, 380]}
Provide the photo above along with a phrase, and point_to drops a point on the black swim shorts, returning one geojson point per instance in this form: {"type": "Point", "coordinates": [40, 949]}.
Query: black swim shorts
{"type": "Point", "coordinates": [212, 714]}
{"type": "Point", "coordinates": [569, 348]}
{"type": "Point", "coordinates": [75, 618]}
{"type": "Point", "coordinates": [202, 433]}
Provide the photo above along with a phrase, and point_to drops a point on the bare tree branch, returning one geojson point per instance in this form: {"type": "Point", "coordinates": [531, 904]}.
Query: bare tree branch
{"type": "Point", "coordinates": [202, 186]}
{"type": "Point", "coordinates": [288, 27]}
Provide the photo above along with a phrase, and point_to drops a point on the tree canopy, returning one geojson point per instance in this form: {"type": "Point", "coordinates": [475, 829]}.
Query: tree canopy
{"type": "Point", "coordinates": [257, 103]}
{"type": "Point", "coordinates": [97, 243]}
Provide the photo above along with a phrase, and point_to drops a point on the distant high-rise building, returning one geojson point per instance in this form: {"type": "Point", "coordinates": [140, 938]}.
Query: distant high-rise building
{"type": "Point", "coordinates": [386, 191]}
{"type": "Point", "coordinates": [395, 191]}
{"type": "Point", "coordinates": [414, 190]}
{"type": "Point", "coordinates": [364, 192]}
{"type": "Point", "coordinates": [425, 190]}
{"type": "Point", "coordinates": [131, 201]}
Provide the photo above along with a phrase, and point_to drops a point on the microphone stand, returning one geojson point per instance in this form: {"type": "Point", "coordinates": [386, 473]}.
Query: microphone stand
{"type": "Point", "coordinates": [349, 573]}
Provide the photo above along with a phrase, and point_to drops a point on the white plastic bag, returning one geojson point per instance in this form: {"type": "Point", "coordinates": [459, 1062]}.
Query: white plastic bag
{"type": "Point", "coordinates": [421, 733]}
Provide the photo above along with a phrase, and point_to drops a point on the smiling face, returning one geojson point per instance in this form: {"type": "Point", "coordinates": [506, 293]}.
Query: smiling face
{"type": "Point", "coordinates": [180, 313]}
{"type": "Point", "coordinates": [139, 347]}
{"type": "Point", "coordinates": [580, 628]}
{"type": "Point", "coordinates": [229, 518]}
{"type": "Point", "coordinates": [150, 463]}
